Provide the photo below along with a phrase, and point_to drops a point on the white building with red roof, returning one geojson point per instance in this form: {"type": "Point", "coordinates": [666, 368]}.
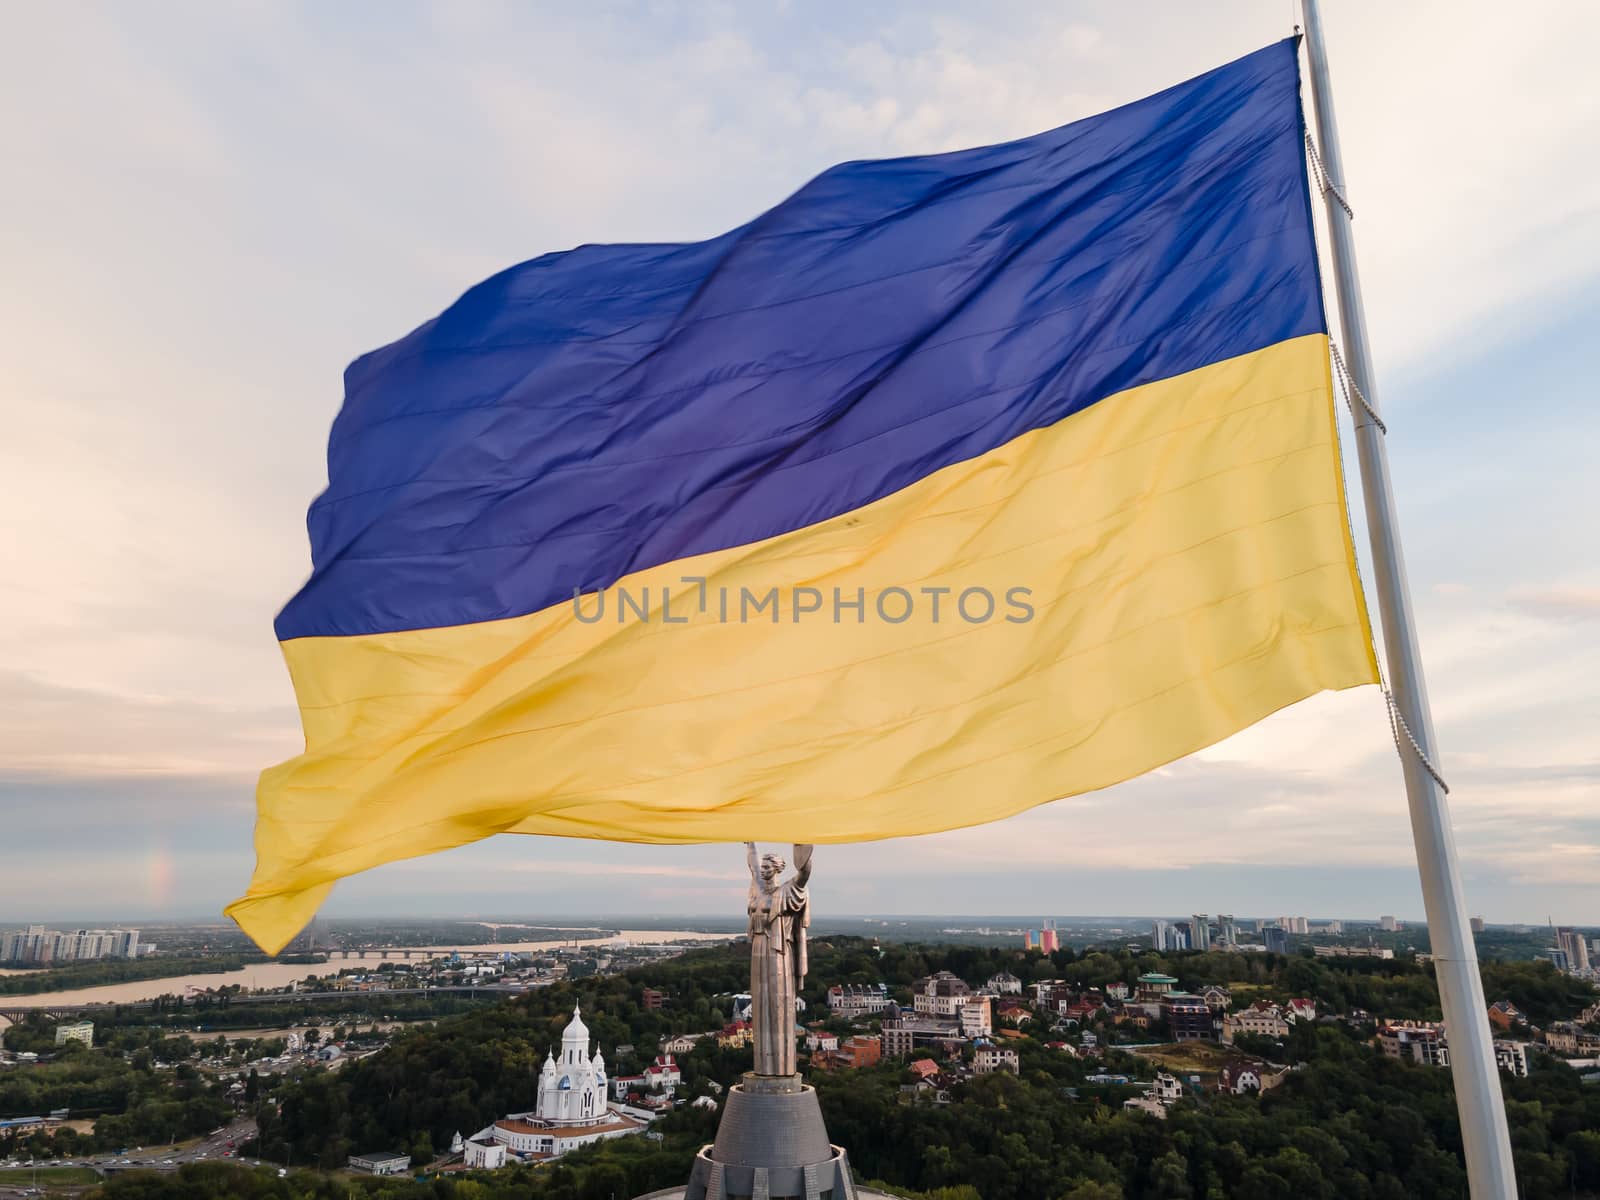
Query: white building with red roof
{"type": "Point", "coordinates": [572, 1108]}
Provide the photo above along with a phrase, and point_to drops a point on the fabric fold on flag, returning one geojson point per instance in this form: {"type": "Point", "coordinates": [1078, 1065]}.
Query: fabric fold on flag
{"type": "Point", "coordinates": [948, 487]}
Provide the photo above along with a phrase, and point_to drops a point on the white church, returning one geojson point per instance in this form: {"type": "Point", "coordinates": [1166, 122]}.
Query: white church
{"type": "Point", "coordinates": [571, 1109]}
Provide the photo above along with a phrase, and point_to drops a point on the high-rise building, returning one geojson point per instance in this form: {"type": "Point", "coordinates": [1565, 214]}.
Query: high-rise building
{"type": "Point", "coordinates": [39, 945]}
{"type": "Point", "coordinates": [1477, 924]}
{"type": "Point", "coordinates": [1277, 940]}
{"type": "Point", "coordinates": [1048, 941]}
{"type": "Point", "coordinates": [1158, 934]}
{"type": "Point", "coordinates": [1388, 924]}
{"type": "Point", "coordinates": [1200, 932]}
{"type": "Point", "coordinates": [1577, 949]}
{"type": "Point", "coordinates": [1227, 931]}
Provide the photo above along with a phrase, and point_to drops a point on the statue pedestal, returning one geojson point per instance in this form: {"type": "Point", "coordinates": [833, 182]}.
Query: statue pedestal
{"type": "Point", "coordinates": [771, 1144]}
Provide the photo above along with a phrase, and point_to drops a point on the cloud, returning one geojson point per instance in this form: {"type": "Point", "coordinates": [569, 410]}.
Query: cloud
{"type": "Point", "coordinates": [1559, 604]}
{"type": "Point", "coordinates": [56, 731]}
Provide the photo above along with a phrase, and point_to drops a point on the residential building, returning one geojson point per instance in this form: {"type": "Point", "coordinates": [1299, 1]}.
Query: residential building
{"type": "Point", "coordinates": [38, 945]}
{"type": "Point", "coordinates": [1562, 1036]}
{"type": "Point", "coordinates": [989, 1059]}
{"type": "Point", "coordinates": [1158, 1097]}
{"type": "Point", "coordinates": [1200, 932]}
{"type": "Point", "coordinates": [904, 1033]}
{"type": "Point", "coordinates": [682, 1043]}
{"type": "Point", "coordinates": [940, 995]}
{"type": "Point", "coordinates": [1302, 1009]}
{"type": "Point", "coordinates": [1227, 931]}
{"type": "Point", "coordinates": [1188, 1017]}
{"type": "Point", "coordinates": [82, 1031]}
{"type": "Point", "coordinates": [1259, 1020]}
{"type": "Point", "coordinates": [1217, 998]}
{"type": "Point", "coordinates": [1154, 985]}
{"type": "Point", "coordinates": [1352, 952]}
{"type": "Point", "coordinates": [654, 1001]}
{"type": "Point", "coordinates": [1503, 1015]}
{"type": "Point", "coordinates": [380, 1162]}
{"type": "Point", "coordinates": [899, 1040]}
{"type": "Point", "coordinates": [1050, 994]}
{"type": "Point", "coordinates": [623, 1086]}
{"type": "Point", "coordinates": [1239, 1080]}
{"type": "Point", "coordinates": [855, 1052]}
{"type": "Point", "coordinates": [1159, 932]}
{"type": "Point", "coordinates": [1415, 1041]}
{"type": "Point", "coordinates": [663, 1074]}
{"type": "Point", "coordinates": [1276, 940]}
{"type": "Point", "coordinates": [734, 1033]}
{"type": "Point", "coordinates": [821, 1042]}
{"type": "Point", "coordinates": [1146, 1103]}
{"type": "Point", "coordinates": [1477, 924]}
{"type": "Point", "coordinates": [1014, 1011]}
{"type": "Point", "coordinates": [1388, 924]}
{"type": "Point", "coordinates": [1004, 984]}
{"type": "Point", "coordinates": [976, 1018]}
{"type": "Point", "coordinates": [856, 1000]}
{"type": "Point", "coordinates": [1044, 938]}
{"type": "Point", "coordinates": [1512, 1057]}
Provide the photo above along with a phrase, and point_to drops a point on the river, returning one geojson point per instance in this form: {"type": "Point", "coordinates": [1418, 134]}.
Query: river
{"type": "Point", "coordinates": [265, 976]}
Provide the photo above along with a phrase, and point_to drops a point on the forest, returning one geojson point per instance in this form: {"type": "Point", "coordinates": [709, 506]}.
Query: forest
{"type": "Point", "coordinates": [1346, 1122]}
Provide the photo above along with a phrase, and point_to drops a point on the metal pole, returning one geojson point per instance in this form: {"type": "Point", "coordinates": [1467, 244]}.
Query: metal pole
{"type": "Point", "coordinates": [1484, 1135]}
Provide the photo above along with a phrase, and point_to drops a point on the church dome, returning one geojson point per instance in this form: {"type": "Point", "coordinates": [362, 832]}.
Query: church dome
{"type": "Point", "coordinates": [577, 1031]}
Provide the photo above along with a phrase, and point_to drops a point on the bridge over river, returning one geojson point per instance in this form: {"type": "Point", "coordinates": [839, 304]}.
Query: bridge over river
{"type": "Point", "coordinates": [60, 1012]}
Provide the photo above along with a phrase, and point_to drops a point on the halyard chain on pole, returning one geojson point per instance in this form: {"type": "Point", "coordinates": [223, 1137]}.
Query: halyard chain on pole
{"type": "Point", "coordinates": [1352, 390]}
{"type": "Point", "coordinates": [1329, 188]}
{"type": "Point", "coordinates": [1397, 726]}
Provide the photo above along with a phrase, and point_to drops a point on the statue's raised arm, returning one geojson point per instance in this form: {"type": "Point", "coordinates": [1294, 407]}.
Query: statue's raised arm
{"type": "Point", "coordinates": [754, 859]}
{"type": "Point", "coordinates": [802, 863]}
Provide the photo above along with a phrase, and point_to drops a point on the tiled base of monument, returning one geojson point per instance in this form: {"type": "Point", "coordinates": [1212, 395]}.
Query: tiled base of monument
{"type": "Point", "coordinates": [771, 1145]}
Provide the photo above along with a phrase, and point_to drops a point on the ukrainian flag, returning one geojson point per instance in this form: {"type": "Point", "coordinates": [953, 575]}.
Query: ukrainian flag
{"type": "Point", "coordinates": [950, 486]}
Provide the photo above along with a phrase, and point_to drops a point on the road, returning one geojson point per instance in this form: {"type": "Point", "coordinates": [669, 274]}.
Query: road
{"type": "Point", "coordinates": [212, 1147]}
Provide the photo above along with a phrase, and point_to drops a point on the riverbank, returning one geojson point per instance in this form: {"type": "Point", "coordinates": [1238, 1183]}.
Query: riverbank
{"type": "Point", "coordinates": [274, 976]}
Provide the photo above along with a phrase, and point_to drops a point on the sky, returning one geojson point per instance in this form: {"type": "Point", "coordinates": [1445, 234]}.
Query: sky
{"type": "Point", "coordinates": [209, 210]}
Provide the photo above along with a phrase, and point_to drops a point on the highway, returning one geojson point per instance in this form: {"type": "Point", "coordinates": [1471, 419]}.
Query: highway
{"type": "Point", "coordinates": [213, 1147]}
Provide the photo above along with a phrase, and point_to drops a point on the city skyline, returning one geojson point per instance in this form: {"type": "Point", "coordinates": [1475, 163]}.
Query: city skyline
{"type": "Point", "coordinates": [142, 682]}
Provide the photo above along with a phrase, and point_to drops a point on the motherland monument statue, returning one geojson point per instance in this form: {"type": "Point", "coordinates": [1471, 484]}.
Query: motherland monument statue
{"type": "Point", "coordinates": [771, 1141]}
{"type": "Point", "coordinates": [779, 913]}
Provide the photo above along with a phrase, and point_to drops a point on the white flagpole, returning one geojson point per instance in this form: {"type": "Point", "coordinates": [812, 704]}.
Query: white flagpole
{"type": "Point", "coordinates": [1484, 1136]}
